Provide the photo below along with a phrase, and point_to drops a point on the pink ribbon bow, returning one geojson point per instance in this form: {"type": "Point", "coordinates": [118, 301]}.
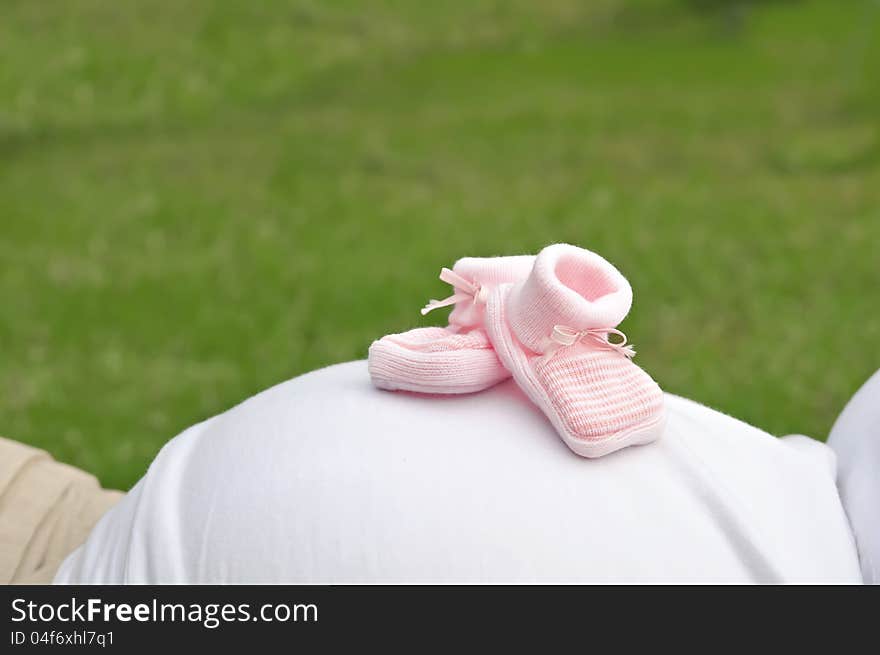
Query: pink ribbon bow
{"type": "Point", "coordinates": [464, 290]}
{"type": "Point", "coordinates": [564, 336]}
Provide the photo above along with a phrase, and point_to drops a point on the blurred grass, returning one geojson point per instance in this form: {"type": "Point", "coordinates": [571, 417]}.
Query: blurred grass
{"type": "Point", "coordinates": [199, 200]}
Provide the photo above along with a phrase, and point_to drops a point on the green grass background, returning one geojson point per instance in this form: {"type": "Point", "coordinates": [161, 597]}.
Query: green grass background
{"type": "Point", "coordinates": [202, 199]}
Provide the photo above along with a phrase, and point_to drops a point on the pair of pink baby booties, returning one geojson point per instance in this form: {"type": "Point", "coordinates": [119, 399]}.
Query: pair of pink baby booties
{"type": "Point", "coordinates": [549, 321]}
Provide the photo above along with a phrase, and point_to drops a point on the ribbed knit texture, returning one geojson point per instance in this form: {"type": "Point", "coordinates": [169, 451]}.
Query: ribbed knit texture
{"type": "Point", "coordinates": [455, 359]}
{"type": "Point", "coordinates": [435, 360]}
{"type": "Point", "coordinates": [489, 272]}
{"type": "Point", "coordinates": [568, 286]}
{"type": "Point", "coordinates": [438, 339]}
{"type": "Point", "coordinates": [598, 392]}
{"type": "Point", "coordinates": [596, 397]}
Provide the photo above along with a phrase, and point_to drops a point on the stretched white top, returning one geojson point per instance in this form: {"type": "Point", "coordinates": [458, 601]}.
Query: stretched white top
{"type": "Point", "coordinates": [324, 479]}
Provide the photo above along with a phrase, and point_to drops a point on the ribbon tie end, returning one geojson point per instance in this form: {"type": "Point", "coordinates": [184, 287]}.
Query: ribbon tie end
{"type": "Point", "coordinates": [564, 336]}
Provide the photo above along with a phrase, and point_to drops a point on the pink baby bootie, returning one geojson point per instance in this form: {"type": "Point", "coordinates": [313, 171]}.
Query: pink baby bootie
{"type": "Point", "coordinates": [556, 332]}
{"type": "Point", "coordinates": [458, 358]}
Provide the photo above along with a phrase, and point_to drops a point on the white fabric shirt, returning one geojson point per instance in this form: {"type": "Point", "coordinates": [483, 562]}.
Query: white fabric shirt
{"type": "Point", "coordinates": [855, 438]}
{"type": "Point", "coordinates": [324, 479]}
